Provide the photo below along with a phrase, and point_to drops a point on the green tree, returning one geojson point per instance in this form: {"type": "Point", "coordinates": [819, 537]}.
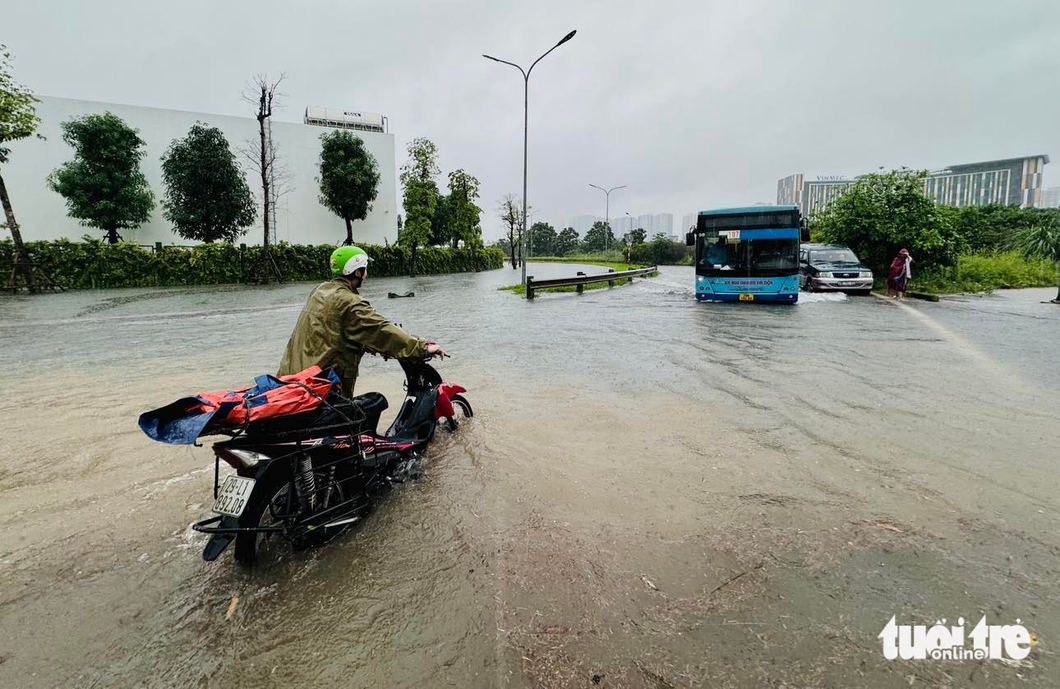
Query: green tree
{"type": "Point", "coordinates": [18, 120]}
{"type": "Point", "coordinates": [504, 245]}
{"type": "Point", "coordinates": [542, 239]}
{"type": "Point", "coordinates": [661, 250]}
{"type": "Point", "coordinates": [566, 242]}
{"type": "Point", "coordinates": [441, 221]}
{"type": "Point", "coordinates": [207, 197]}
{"type": "Point", "coordinates": [349, 177]}
{"type": "Point", "coordinates": [638, 235]}
{"type": "Point", "coordinates": [598, 237]}
{"type": "Point", "coordinates": [884, 212]}
{"type": "Point", "coordinates": [421, 195]}
{"type": "Point", "coordinates": [465, 216]}
{"type": "Point", "coordinates": [103, 185]}
{"type": "Point", "coordinates": [1042, 241]}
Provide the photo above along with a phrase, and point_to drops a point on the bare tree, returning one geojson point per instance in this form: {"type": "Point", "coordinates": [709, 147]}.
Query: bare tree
{"type": "Point", "coordinates": [512, 216]}
{"type": "Point", "coordinates": [261, 154]}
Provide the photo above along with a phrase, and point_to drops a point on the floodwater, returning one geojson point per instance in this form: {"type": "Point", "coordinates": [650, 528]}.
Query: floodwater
{"type": "Point", "coordinates": [653, 493]}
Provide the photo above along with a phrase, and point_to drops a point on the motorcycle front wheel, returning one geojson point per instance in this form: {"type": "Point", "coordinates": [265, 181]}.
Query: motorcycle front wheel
{"type": "Point", "coordinates": [459, 402]}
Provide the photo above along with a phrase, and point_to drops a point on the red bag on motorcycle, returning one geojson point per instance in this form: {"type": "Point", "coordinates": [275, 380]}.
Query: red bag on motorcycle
{"type": "Point", "coordinates": [181, 422]}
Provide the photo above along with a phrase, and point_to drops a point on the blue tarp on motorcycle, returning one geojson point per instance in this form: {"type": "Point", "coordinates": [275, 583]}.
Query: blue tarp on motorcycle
{"type": "Point", "coordinates": [181, 422]}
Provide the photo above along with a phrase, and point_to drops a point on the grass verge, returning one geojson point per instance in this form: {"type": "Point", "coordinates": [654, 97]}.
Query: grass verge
{"type": "Point", "coordinates": [520, 289]}
{"type": "Point", "coordinates": [984, 272]}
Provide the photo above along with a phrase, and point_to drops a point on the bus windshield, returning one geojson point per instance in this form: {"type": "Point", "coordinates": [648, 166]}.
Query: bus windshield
{"type": "Point", "coordinates": [721, 256]}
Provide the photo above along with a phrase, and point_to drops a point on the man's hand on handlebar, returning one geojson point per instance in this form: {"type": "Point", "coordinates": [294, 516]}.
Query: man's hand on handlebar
{"type": "Point", "coordinates": [435, 350]}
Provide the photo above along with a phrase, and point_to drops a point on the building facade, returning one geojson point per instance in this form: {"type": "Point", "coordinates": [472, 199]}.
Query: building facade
{"type": "Point", "coordinates": [300, 217]}
{"type": "Point", "coordinates": [789, 190]}
{"type": "Point", "coordinates": [1010, 182]}
{"type": "Point", "coordinates": [1050, 198]}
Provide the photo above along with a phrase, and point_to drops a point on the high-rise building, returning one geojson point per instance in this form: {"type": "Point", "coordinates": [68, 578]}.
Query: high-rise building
{"type": "Point", "coordinates": [1050, 198]}
{"type": "Point", "coordinates": [582, 223]}
{"type": "Point", "coordinates": [688, 221]}
{"type": "Point", "coordinates": [651, 223]}
{"type": "Point", "coordinates": [1010, 182]}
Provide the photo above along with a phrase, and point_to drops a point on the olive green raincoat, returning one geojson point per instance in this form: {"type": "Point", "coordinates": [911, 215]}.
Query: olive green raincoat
{"type": "Point", "coordinates": [336, 327]}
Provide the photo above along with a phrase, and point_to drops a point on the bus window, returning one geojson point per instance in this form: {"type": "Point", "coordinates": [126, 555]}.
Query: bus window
{"type": "Point", "coordinates": [774, 254]}
{"type": "Point", "coordinates": [719, 254]}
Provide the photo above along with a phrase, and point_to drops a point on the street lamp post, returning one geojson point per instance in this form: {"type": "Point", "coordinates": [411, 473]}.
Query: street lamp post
{"type": "Point", "coordinates": [526, 120]}
{"type": "Point", "coordinates": [607, 207]}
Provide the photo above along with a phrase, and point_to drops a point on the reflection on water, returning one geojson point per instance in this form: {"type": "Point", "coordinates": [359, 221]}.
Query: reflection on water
{"type": "Point", "coordinates": [738, 457]}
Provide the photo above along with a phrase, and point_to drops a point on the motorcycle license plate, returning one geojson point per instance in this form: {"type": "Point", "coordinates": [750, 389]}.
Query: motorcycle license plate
{"type": "Point", "coordinates": [747, 297]}
{"type": "Point", "coordinates": [235, 493]}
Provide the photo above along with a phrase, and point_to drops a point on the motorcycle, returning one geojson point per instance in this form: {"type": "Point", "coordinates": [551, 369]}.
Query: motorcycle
{"type": "Point", "coordinates": [304, 478]}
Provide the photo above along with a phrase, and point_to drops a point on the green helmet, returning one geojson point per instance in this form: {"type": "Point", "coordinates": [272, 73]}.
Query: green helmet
{"type": "Point", "coordinates": [347, 259]}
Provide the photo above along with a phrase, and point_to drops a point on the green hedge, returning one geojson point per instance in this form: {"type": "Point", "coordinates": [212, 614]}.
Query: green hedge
{"type": "Point", "coordinates": [91, 264]}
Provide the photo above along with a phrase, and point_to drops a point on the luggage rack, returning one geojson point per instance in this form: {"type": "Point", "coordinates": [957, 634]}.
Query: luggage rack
{"type": "Point", "coordinates": [346, 416]}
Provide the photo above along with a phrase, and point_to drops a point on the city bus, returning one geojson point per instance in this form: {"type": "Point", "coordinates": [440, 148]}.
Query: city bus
{"type": "Point", "coordinates": [747, 254]}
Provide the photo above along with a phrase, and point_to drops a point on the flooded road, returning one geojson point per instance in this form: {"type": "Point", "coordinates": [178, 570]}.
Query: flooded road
{"type": "Point", "coordinates": [653, 493]}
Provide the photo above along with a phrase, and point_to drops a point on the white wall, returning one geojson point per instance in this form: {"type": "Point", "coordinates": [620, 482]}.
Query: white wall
{"type": "Point", "coordinates": [300, 218]}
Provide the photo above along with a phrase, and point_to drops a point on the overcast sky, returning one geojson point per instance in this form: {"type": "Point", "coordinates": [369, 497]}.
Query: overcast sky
{"type": "Point", "coordinates": [693, 104]}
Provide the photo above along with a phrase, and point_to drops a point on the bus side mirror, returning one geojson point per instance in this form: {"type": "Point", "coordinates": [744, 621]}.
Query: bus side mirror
{"type": "Point", "coordinates": [804, 234]}
{"type": "Point", "coordinates": [690, 238]}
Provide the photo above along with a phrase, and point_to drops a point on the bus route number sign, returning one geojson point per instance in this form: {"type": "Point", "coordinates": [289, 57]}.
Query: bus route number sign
{"type": "Point", "coordinates": [733, 235]}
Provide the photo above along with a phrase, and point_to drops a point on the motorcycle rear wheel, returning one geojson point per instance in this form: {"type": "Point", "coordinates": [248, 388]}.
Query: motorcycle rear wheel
{"type": "Point", "coordinates": [267, 507]}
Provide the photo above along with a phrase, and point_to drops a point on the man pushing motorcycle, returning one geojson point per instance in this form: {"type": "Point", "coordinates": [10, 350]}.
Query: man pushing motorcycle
{"type": "Point", "coordinates": [337, 326]}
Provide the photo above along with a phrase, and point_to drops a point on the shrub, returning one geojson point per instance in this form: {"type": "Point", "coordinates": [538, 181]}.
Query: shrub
{"type": "Point", "coordinates": [994, 227]}
{"type": "Point", "coordinates": [91, 264]}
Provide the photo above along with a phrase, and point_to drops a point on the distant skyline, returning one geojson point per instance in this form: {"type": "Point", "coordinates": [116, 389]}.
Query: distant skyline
{"type": "Point", "coordinates": [692, 105]}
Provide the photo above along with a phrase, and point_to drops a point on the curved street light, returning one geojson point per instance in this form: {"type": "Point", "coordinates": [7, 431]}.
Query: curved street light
{"type": "Point", "coordinates": [607, 207]}
{"type": "Point", "coordinates": [526, 119]}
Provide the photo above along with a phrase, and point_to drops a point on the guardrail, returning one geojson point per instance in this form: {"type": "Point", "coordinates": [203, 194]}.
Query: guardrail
{"type": "Point", "coordinates": [581, 279]}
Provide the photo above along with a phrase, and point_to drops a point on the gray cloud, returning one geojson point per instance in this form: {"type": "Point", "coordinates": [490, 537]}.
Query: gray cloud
{"type": "Point", "coordinates": [692, 104]}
